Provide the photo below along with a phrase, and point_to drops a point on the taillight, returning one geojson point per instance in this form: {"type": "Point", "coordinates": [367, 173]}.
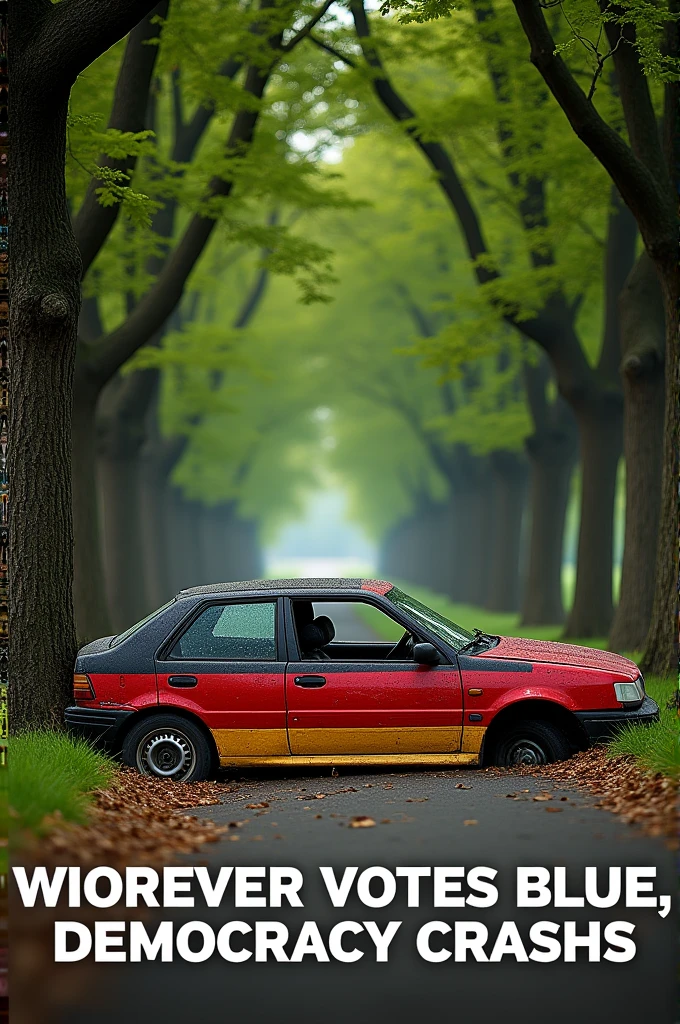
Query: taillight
{"type": "Point", "coordinates": [82, 688]}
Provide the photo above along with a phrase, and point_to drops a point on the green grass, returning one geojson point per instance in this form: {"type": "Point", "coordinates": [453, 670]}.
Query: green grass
{"type": "Point", "coordinates": [656, 748]}
{"type": "Point", "coordinates": [49, 772]}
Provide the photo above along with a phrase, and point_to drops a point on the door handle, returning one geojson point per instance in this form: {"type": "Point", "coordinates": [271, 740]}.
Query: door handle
{"type": "Point", "coordinates": [182, 681]}
{"type": "Point", "coordinates": [313, 682]}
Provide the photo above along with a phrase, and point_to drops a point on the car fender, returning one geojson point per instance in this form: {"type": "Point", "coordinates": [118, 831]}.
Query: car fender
{"type": "Point", "coordinates": [537, 692]}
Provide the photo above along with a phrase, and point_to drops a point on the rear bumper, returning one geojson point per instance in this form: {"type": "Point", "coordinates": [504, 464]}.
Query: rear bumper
{"type": "Point", "coordinates": [601, 725]}
{"type": "Point", "coordinates": [99, 727]}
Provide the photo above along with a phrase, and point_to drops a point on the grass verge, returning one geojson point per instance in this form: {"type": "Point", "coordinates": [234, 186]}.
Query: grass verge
{"type": "Point", "coordinates": [51, 778]}
{"type": "Point", "coordinates": [656, 748]}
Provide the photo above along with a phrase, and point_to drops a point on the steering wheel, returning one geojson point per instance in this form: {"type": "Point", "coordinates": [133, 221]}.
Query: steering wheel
{"type": "Point", "coordinates": [403, 649]}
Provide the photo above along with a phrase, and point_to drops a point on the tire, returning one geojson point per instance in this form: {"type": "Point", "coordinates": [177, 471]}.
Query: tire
{"type": "Point", "coordinates": [168, 747]}
{"type": "Point", "coordinates": [531, 742]}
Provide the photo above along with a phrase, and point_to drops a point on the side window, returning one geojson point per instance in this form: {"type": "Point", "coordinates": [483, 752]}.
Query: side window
{"type": "Point", "coordinates": [359, 622]}
{"type": "Point", "coordinates": [232, 632]}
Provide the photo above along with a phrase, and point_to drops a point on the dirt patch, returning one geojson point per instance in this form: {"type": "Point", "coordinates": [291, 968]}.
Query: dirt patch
{"type": "Point", "coordinates": [650, 801]}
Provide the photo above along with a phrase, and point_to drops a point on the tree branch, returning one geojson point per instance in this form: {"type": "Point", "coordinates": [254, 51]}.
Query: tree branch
{"type": "Point", "coordinates": [331, 49]}
{"type": "Point", "coordinates": [306, 29]}
{"type": "Point", "coordinates": [75, 32]}
{"type": "Point", "coordinates": [163, 296]}
{"type": "Point", "coordinates": [93, 222]}
{"type": "Point", "coordinates": [652, 207]}
{"type": "Point", "coordinates": [633, 87]}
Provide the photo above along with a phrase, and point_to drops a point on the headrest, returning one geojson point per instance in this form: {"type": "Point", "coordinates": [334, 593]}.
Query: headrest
{"type": "Point", "coordinates": [316, 634]}
{"type": "Point", "coordinates": [303, 612]}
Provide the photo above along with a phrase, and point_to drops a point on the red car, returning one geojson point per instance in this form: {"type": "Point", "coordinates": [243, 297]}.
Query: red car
{"type": "Point", "coordinates": [285, 672]}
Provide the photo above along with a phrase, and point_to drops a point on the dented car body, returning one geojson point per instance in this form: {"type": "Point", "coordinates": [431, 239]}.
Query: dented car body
{"type": "Point", "coordinates": [253, 673]}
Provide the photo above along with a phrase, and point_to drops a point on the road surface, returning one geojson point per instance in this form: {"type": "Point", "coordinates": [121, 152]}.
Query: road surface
{"type": "Point", "coordinates": [422, 818]}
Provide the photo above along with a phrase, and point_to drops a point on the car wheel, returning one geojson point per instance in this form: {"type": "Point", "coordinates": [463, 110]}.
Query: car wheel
{"type": "Point", "coordinates": [168, 747]}
{"type": "Point", "coordinates": [532, 743]}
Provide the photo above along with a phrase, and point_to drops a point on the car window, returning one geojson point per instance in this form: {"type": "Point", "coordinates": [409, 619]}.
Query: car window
{"type": "Point", "coordinates": [238, 632]}
{"type": "Point", "coordinates": [358, 622]}
{"type": "Point", "coordinates": [447, 630]}
{"type": "Point", "coordinates": [138, 625]}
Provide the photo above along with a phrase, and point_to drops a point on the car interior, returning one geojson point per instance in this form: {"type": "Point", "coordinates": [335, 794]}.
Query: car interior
{"type": "Point", "coordinates": [317, 641]}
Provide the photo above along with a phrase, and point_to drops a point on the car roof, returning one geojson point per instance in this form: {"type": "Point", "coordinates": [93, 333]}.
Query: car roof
{"type": "Point", "coordinates": [291, 585]}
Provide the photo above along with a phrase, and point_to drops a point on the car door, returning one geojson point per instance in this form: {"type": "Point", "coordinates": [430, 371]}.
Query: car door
{"type": "Point", "coordinates": [360, 702]}
{"type": "Point", "coordinates": [226, 664]}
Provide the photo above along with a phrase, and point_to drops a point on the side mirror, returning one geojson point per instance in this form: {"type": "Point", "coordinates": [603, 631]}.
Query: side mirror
{"type": "Point", "coordinates": [426, 654]}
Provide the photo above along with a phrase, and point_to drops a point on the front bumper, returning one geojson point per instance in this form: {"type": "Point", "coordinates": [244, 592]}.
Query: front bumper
{"type": "Point", "coordinates": [98, 726]}
{"type": "Point", "coordinates": [601, 725]}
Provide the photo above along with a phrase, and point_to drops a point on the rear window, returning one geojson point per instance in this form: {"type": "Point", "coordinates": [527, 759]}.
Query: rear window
{"type": "Point", "coordinates": [231, 632]}
{"type": "Point", "coordinates": [138, 625]}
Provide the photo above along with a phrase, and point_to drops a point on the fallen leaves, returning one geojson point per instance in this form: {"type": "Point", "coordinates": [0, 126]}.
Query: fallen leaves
{"type": "Point", "coordinates": [416, 799]}
{"type": "Point", "coordinates": [253, 807]}
{"type": "Point", "coordinates": [471, 821]}
{"type": "Point", "coordinates": [361, 821]}
{"type": "Point", "coordinates": [136, 821]}
{"type": "Point", "coordinates": [650, 801]}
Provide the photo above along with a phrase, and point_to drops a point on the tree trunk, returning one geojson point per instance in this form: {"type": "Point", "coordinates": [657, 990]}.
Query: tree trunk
{"type": "Point", "coordinates": [509, 480]}
{"type": "Point", "coordinates": [552, 459]}
{"type": "Point", "coordinates": [216, 521]}
{"type": "Point", "coordinates": [472, 527]}
{"type": "Point", "coordinates": [89, 593]}
{"type": "Point", "coordinates": [123, 541]}
{"type": "Point", "coordinates": [244, 552]}
{"type": "Point", "coordinates": [155, 525]}
{"type": "Point", "coordinates": [642, 342]}
{"type": "Point", "coordinates": [185, 547]}
{"type": "Point", "coordinates": [600, 444]}
{"type": "Point", "coordinates": [45, 289]}
{"type": "Point", "coordinates": [661, 649]}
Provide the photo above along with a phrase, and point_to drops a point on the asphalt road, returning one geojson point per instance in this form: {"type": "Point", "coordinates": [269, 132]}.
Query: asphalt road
{"type": "Point", "coordinates": [425, 818]}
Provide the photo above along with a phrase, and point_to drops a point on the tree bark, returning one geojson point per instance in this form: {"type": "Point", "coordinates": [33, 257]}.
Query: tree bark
{"type": "Point", "coordinates": [599, 415]}
{"type": "Point", "coordinates": [552, 453]}
{"type": "Point", "coordinates": [661, 648]}
{"type": "Point", "coordinates": [155, 525]}
{"type": "Point", "coordinates": [51, 45]}
{"type": "Point", "coordinates": [44, 279]}
{"type": "Point", "coordinates": [642, 343]}
{"type": "Point", "coordinates": [120, 490]}
{"type": "Point", "coordinates": [89, 594]}
{"type": "Point", "coordinates": [600, 445]}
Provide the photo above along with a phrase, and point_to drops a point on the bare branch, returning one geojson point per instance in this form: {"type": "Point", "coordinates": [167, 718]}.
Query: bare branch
{"type": "Point", "coordinates": [331, 49]}
{"type": "Point", "coordinates": [306, 29]}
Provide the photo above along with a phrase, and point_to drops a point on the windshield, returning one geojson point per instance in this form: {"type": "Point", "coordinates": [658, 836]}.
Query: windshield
{"type": "Point", "coordinates": [443, 627]}
{"type": "Point", "coordinates": [138, 625]}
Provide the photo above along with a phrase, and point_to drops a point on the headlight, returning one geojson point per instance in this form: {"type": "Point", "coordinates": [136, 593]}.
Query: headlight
{"type": "Point", "coordinates": [630, 693]}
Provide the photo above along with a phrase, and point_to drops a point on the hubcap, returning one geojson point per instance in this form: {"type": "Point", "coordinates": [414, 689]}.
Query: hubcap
{"type": "Point", "coordinates": [168, 755]}
{"type": "Point", "coordinates": [526, 752]}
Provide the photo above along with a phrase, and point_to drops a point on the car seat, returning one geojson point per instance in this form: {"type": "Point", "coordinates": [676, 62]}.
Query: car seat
{"type": "Point", "coordinates": [314, 636]}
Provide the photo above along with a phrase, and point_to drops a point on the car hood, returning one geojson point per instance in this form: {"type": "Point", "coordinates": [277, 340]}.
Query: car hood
{"type": "Point", "coordinates": [519, 649]}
